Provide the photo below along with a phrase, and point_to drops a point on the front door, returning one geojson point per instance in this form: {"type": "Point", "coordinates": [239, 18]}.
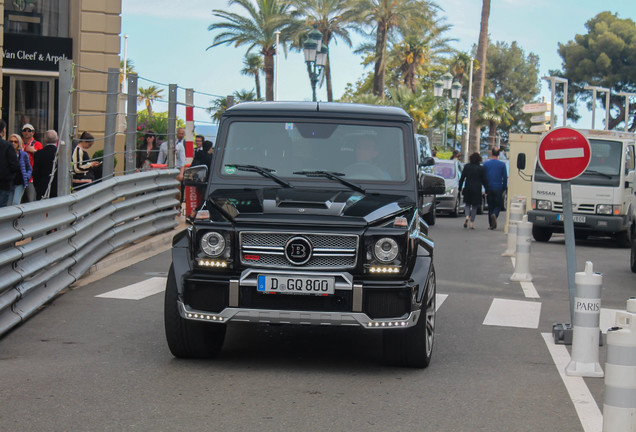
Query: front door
{"type": "Point", "coordinates": [29, 99]}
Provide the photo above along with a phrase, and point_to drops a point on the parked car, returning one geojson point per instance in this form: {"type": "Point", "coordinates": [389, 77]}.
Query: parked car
{"type": "Point", "coordinates": [450, 201]}
{"type": "Point", "coordinates": [312, 216]}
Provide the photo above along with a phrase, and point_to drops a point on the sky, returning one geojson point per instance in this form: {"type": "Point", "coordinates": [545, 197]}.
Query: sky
{"type": "Point", "coordinates": [168, 40]}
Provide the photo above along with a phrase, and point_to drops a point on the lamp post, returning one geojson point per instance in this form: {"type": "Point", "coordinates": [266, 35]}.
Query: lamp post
{"type": "Point", "coordinates": [446, 83]}
{"type": "Point", "coordinates": [315, 57]}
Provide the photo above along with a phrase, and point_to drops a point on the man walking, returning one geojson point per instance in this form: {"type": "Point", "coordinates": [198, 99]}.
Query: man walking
{"type": "Point", "coordinates": [9, 166]}
{"type": "Point", "coordinates": [497, 179]}
{"type": "Point", "coordinates": [43, 167]}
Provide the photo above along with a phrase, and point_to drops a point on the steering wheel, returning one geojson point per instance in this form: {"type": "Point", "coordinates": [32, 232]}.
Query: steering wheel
{"type": "Point", "coordinates": [366, 171]}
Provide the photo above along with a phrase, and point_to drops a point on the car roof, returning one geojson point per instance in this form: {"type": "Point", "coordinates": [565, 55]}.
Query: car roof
{"type": "Point", "coordinates": [318, 109]}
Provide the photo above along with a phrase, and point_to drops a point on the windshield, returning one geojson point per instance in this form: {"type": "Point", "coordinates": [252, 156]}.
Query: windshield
{"type": "Point", "coordinates": [604, 168]}
{"type": "Point", "coordinates": [445, 170]}
{"type": "Point", "coordinates": [357, 151]}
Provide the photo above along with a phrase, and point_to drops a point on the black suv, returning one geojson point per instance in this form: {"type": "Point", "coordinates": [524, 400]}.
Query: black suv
{"type": "Point", "coordinates": [311, 215]}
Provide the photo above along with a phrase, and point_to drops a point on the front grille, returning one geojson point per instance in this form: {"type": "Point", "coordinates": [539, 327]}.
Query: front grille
{"type": "Point", "coordinates": [330, 251]}
{"type": "Point", "coordinates": [252, 299]}
{"type": "Point", "coordinates": [577, 208]}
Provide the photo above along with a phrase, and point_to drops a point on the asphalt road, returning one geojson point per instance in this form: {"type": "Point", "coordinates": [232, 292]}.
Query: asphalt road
{"type": "Point", "coordinates": [101, 364]}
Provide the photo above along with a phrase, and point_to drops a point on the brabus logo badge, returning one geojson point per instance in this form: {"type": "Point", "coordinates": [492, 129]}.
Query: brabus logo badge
{"type": "Point", "coordinates": [298, 250]}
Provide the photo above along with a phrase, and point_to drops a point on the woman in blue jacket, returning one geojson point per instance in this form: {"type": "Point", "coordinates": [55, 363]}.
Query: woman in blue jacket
{"type": "Point", "coordinates": [21, 179]}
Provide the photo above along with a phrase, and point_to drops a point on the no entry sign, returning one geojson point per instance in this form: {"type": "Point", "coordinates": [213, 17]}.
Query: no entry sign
{"type": "Point", "coordinates": [564, 153]}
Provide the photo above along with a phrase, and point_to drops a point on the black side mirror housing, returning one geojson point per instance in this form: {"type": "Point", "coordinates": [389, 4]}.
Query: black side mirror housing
{"type": "Point", "coordinates": [428, 161]}
{"type": "Point", "coordinates": [521, 161]}
{"type": "Point", "coordinates": [431, 184]}
{"type": "Point", "coordinates": [196, 176]}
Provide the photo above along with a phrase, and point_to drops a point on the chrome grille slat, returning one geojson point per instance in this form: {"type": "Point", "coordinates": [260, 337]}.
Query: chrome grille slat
{"type": "Point", "coordinates": [330, 251]}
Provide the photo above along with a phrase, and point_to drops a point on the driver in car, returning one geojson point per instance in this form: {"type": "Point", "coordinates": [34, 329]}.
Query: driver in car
{"type": "Point", "coordinates": [366, 156]}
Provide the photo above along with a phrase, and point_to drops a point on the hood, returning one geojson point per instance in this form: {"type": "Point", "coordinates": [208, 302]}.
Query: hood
{"type": "Point", "coordinates": [237, 204]}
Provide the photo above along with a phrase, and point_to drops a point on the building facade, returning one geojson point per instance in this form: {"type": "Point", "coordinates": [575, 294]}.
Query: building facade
{"type": "Point", "coordinates": [36, 35]}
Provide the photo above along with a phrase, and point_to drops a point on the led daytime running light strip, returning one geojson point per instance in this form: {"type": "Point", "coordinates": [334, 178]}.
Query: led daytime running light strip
{"type": "Point", "coordinates": [387, 324]}
{"type": "Point", "coordinates": [378, 269]}
{"type": "Point", "coordinates": [212, 263]}
{"type": "Point", "coordinates": [205, 317]}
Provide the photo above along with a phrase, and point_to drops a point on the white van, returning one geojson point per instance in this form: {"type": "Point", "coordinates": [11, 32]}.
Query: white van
{"type": "Point", "coordinates": [602, 197]}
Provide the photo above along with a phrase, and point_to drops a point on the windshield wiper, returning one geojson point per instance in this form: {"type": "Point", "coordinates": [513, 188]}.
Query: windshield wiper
{"type": "Point", "coordinates": [609, 176]}
{"type": "Point", "coordinates": [333, 176]}
{"type": "Point", "coordinates": [265, 172]}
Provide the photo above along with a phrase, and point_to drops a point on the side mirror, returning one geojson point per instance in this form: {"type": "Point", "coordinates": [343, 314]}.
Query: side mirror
{"type": "Point", "coordinates": [196, 176]}
{"type": "Point", "coordinates": [431, 184]}
{"type": "Point", "coordinates": [428, 161]}
{"type": "Point", "coordinates": [521, 161]}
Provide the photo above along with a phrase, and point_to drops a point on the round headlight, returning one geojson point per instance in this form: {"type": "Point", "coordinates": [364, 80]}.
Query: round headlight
{"type": "Point", "coordinates": [213, 244]}
{"type": "Point", "coordinates": [386, 249]}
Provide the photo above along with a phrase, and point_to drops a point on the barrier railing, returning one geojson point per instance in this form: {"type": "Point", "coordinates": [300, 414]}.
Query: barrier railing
{"type": "Point", "coordinates": [47, 245]}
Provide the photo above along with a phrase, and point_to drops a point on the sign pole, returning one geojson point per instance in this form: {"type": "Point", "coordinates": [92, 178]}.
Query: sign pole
{"type": "Point", "coordinates": [568, 229]}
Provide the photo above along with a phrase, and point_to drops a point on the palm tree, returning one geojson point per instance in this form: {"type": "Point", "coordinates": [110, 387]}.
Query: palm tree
{"type": "Point", "coordinates": [334, 19]}
{"type": "Point", "coordinates": [257, 29]}
{"type": "Point", "coordinates": [148, 95]}
{"type": "Point", "coordinates": [480, 77]}
{"type": "Point", "coordinates": [493, 112]}
{"type": "Point", "coordinates": [416, 104]}
{"type": "Point", "coordinates": [387, 16]}
{"type": "Point", "coordinates": [253, 66]}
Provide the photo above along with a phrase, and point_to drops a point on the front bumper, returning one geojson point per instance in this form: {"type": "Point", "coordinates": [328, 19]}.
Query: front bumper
{"type": "Point", "coordinates": [591, 222]}
{"type": "Point", "coordinates": [445, 202]}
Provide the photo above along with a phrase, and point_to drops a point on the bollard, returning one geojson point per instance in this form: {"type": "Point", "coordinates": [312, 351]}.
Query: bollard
{"type": "Point", "coordinates": [517, 209]}
{"type": "Point", "coordinates": [511, 248]}
{"type": "Point", "coordinates": [522, 263]}
{"type": "Point", "coordinates": [586, 332]}
{"type": "Point", "coordinates": [619, 405]}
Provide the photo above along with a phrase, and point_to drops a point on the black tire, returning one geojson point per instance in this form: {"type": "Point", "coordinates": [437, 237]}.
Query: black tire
{"type": "Point", "coordinates": [413, 347]}
{"type": "Point", "coordinates": [632, 259]}
{"type": "Point", "coordinates": [541, 234]}
{"type": "Point", "coordinates": [623, 239]}
{"type": "Point", "coordinates": [455, 211]}
{"type": "Point", "coordinates": [430, 216]}
{"type": "Point", "coordinates": [189, 339]}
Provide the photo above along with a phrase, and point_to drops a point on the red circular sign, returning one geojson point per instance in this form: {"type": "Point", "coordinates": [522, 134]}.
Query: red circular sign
{"type": "Point", "coordinates": [564, 153]}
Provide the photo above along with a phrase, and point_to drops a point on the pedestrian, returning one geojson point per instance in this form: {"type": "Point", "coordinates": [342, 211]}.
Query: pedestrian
{"type": "Point", "coordinates": [475, 177]}
{"type": "Point", "coordinates": [83, 167]}
{"type": "Point", "coordinates": [9, 165]}
{"type": "Point", "coordinates": [198, 142]}
{"type": "Point", "coordinates": [21, 179]}
{"type": "Point", "coordinates": [455, 155]}
{"type": "Point", "coordinates": [203, 156]}
{"type": "Point", "coordinates": [30, 145]}
{"type": "Point", "coordinates": [44, 169]}
{"type": "Point", "coordinates": [148, 152]}
{"type": "Point", "coordinates": [497, 180]}
{"type": "Point", "coordinates": [179, 160]}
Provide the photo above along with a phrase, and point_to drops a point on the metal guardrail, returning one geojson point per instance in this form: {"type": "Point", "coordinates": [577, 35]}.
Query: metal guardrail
{"type": "Point", "coordinates": [47, 245]}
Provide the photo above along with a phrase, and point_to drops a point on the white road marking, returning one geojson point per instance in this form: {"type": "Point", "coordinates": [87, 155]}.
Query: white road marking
{"type": "Point", "coordinates": [439, 299]}
{"type": "Point", "coordinates": [137, 291]}
{"type": "Point", "coordinates": [607, 319]}
{"type": "Point", "coordinates": [564, 153]}
{"type": "Point", "coordinates": [513, 313]}
{"type": "Point", "coordinates": [585, 405]}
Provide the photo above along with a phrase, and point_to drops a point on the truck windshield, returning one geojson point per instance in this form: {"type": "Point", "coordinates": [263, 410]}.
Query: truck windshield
{"type": "Point", "coordinates": [357, 151]}
{"type": "Point", "coordinates": [604, 168]}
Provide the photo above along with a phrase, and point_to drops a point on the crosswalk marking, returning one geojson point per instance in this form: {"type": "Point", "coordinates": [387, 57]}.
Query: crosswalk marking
{"type": "Point", "coordinates": [513, 313]}
{"type": "Point", "coordinates": [137, 291]}
{"type": "Point", "coordinates": [439, 299]}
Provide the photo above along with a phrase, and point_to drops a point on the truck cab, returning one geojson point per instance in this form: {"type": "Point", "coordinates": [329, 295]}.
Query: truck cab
{"type": "Point", "coordinates": [602, 197]}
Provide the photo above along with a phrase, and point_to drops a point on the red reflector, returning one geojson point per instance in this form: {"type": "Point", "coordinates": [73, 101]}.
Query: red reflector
{"type": "Point", "coordinates": [252, 257]}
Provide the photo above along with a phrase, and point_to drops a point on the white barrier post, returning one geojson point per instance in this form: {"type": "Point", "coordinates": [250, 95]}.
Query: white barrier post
{"type": "Point", "coordinates": [516, 212]}
{"type": "Point", "coordinates": [619, 405]}
{"type": "Point", "coordinates": [587, 312]}
{"type": "Point", "coordinates": [522, 263]}
{"type": "Point", "coordinates": [511, 247]}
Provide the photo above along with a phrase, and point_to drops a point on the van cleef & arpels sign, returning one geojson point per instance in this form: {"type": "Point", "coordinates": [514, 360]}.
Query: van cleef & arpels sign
{"type": "Point", "coordinates": [23, 51]}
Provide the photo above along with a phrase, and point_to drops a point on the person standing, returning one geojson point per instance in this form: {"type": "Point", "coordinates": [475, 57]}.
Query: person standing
{"type": "Point", "coordinates": [22, 177]}
{"type": "Point", "coordinates": [179, 153]}
{"type": "Point", "coordinates": [475, 177]}
{"type": "Point", "coordinates": [9, 166]}
{"type": "Point", "coordinates": [497, 179]}
{"type": "Point", "coordinates": [30, 145]}
{"type": "Point", "coordinates": [44, 170]}
{"type": "Point", "coordinates": [83, 167]}
{"type": "Point", "coordinates": [148, 152]}
{"type": "Point", "coordinates": [203, 156]}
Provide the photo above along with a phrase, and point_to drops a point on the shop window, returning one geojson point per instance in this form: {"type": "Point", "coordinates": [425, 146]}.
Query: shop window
{"type": "Point", "coordinates": [37, 17]}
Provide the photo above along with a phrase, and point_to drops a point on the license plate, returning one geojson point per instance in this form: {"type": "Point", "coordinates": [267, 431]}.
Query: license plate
{"type": "Point", "coordinates": [296, 284]}
{"type": "Point", "coordinates": [575, 218]}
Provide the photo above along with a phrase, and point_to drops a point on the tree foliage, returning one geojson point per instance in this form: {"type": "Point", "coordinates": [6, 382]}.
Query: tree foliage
{"type": "Point", "coordinates": [156, 122]}
{"type": "Point", "coordinates": [605, 57]}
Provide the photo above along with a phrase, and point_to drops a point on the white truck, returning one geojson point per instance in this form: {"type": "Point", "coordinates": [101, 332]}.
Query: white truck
{"type": "Point", "coordinates": [602, 197]}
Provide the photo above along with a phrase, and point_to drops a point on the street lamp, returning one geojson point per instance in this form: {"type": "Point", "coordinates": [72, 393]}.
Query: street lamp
{"type": "Point", "coordinates": [315, 57]}
{"type": "Point", "coordinates": [446, 83]}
